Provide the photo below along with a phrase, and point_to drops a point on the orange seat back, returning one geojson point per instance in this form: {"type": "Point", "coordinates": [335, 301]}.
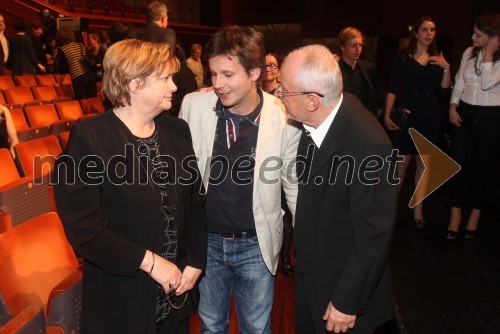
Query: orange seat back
{"type": "Point", "coordinates": [6, 82]}
{"type": "Point", "coordinates": [37, 157]}
{"type": "Point", "coordinates": [47, 93]}
{"type": "Point", "coordinates": [27, 80]}
{"type": "Point", "coordinates": [19, 95]}
{"type": "Point", "coordinates": [9, 171]}
{"type": "Point", "coordinates": [2, 98]}
{"type": "Point", "coordinates": [92, 105]}
{"type": "Point", "coordinates": [19, 119]}
{"type": "Point", "coordinates": [64, 136]}
{"type": "Point", "coordinates": [45, 80]}
{"type": "Point", "coordinates": [70, 110]}
{"type": "Point", "coordinates": [35, 257]}
{"type": "Point", "coordinates": [41, 115]}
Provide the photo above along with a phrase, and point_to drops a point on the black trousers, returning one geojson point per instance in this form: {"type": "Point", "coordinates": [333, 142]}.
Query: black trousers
{"type": "Point", "coordinates": [474, 146]}
{"type": "Point", "coordinates": [84, 86]}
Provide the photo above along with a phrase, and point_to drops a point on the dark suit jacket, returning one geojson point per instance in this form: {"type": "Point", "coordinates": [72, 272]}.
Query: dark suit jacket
{"type": "Point", "coordinates": [22, 58]}
{"type": "Point", "coordinates": [343, 232]}
{"type": "Point", "coordinates": [111, 225]}
{"type": "Point", "coordinates": [152, 32]}
{"type": "Point", "coordinates": [376, 93]}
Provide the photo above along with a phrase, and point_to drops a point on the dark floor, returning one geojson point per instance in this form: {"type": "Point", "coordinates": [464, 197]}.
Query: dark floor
{"type": "Point", "coordinates": [442, 286]}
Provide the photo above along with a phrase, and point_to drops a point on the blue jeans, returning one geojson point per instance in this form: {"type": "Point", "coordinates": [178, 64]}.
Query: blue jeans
{"type": "Point", "coordinates": [235, 265]}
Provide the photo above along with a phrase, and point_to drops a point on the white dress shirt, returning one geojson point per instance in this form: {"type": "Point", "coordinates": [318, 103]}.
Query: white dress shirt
{"type": "Point", "coordinates": [5, 46]}
{"type": "Point", "coordinates": [474, 89]}
{"type": "Point", "coordinates": [318, 134]}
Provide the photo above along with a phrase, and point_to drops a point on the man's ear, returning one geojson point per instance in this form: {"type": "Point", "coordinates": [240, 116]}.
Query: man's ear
{"type": "Point", "coordinates": [313, 102]}
{"type": "Point", "coordinates": [255, 73]}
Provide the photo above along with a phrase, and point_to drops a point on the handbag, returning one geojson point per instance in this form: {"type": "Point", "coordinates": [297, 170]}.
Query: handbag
{"type": "Point", "coordinates": [90, 62]}
{"type": "Point", "coordinates": [400, 116]}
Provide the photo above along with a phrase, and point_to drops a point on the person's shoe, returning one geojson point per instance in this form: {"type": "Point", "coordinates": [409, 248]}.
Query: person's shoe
{"type": "Point", "coordinates": [469, 234]}
{"type": "Point", "coordinates": [419, 223]}
{"type": "Point", "coordinates": [451, 235]}
{"type": "Point", "coordinates": [286, 265]}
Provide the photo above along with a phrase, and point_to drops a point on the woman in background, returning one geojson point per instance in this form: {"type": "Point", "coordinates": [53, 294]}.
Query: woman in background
{"type": "Point", "coordinates": [71, 59]}
{"type": "Point", "coordinates": [96, 53]}
{"type": "Point", "coordinates": [8, 134]}
{"type": "Point", "coordinates": [271, 75]}
{"type": "Point", "coordinates": [419, 73]}
{"type": "Point", "coordinates": [475, 115]}
{"type": "Point", "coordinates": [22, 58]}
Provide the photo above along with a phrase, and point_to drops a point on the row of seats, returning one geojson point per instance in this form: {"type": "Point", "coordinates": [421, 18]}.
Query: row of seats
{"type": "Point", "coordinates": [27, 95]}
{"type": "Point", "coordinates": [30, 80]}
{"type": "Point", "coordinates": [38, 120]}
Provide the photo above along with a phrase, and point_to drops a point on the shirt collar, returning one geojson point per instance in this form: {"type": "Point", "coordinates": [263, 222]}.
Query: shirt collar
{"type": "Point", "coordinates": [318, 134]}
{"type": "Point", "coordinates": [253, 117]}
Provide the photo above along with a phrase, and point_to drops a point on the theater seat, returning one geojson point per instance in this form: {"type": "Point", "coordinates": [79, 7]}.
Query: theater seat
{"type": "Point", "coordinates": [2, 98]}
{"type": "Point", "coordinates": [9, 171]}
{"type": "Point", "coordinates": [92, 105]}
{"type": "Point", "coordinates": [45, 80]}
{"type": "Point", "coordinates": [46, 115]}
{"type": "Point", "coordinates": [64, 137]}
{"type": "Point", "coordinates": [27, 80]}
{"type": "Point", "coordinates": [70, 110]}
{"type": "Point", "coordinates": [38, 268]}
{"type": "Point", "coordinates": [37, 157]}
{"type": "Point", "coordinates": [18, 95]}
{"type": "Point", "coordinates": [24, 131]}
{"type": "Point", "coordinates": [29, 321]}
{"type": "Point", "coordinates": [6, 82]}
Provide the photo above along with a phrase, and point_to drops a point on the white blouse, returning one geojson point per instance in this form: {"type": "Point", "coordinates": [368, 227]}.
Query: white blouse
{"type": "Point", "coordinates": [478, 90]}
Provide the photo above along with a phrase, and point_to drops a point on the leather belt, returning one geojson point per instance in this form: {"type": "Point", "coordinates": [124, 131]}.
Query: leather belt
{"type": "Point", "coordinates": [239, 235]}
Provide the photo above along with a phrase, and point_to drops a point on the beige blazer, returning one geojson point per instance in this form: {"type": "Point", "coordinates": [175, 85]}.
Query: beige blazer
{"type": "Point", "coordinates": [276, 151]}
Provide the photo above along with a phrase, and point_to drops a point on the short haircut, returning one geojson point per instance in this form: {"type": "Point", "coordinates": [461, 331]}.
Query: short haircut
{"type": "Point", "coordinates": [21, 26]}
{"type": "Point", "coordinates": [346, 34]}
{"type": "Point", "coordinates": [155, 11]}
{"type": "Point", "coordinates": [120, 68]}
{"type": "Point", "coordinates": [195, 47]}
{"type": "Point", "coordinates": [65, 36]}
{"type": "Point", "coordinates": [95, 37]}
{"type": "Point", "coordinates": [120, 31]}
{"type": "Point", "coordinates": [244, 43]}
{"type": "Point", "coordinates": [318, 72]}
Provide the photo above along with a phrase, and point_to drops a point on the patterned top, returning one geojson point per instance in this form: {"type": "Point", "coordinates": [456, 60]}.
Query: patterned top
{"type": "Point", "coordinates": [151, 147]}
{"type": "Point", "coordinates": [71, 60]}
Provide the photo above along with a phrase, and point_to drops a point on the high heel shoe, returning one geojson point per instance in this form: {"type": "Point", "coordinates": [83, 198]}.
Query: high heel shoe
{"type": "Point", "coordinates": [469, 234]}
{"type": "Point", "coordinates": [286, 265]}
{"type": "Point", "coordinates": [451, 235]}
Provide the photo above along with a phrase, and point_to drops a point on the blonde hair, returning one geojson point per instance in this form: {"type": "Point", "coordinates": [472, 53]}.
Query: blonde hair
{"type": "Point", "coordinates": [346, 34]}
{"type": "Point", "coordinates": [132, 59]}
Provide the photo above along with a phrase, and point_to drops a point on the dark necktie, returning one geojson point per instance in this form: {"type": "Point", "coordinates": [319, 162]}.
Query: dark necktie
{"type": "Point", "coordinates": [305, 155]}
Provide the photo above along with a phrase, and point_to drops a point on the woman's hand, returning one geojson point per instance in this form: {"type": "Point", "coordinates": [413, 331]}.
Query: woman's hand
{"type": "Point", "coordinates": [41, 67]}
{"type": "Point", "coordinates": [188, 280]}
{"type": "Point", "coordinates": [440, 61]}
{"type": "Point", "coordinates": [389, 124]}
{"type": "Point", "coordinates": [490, 49]}
{"type": "Point", "coordinates": [455, 118]}
{"type": "Point", "coordinates": [162, 271]}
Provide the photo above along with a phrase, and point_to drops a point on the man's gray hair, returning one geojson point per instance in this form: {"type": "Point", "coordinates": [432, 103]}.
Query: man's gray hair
{"type": "Point", "coordinates": [155, 11]}
{"type": "Point", "coordinates": [319, 72]}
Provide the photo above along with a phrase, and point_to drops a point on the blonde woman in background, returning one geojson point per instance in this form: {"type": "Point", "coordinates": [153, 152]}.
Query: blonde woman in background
{"type": "Point", "coordinates": [8, 134]}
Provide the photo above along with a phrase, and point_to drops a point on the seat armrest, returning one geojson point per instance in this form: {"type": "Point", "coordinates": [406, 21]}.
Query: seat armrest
{"type": "Point", "coordinates": [29, 321]}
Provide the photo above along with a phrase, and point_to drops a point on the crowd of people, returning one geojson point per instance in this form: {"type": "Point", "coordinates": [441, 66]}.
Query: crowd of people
{"type": "Point", "coordinates": [201, 206]}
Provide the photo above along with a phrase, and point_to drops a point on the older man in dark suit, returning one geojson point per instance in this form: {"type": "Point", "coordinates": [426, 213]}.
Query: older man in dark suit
{"type": "Point", "coordinates": [346, 204]}
{"type": "Point", "coordinates": [156, 30]}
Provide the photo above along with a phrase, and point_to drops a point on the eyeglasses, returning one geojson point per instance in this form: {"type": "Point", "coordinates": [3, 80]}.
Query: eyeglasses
{"type": "Point", "coordinates": [272, 66]}
{"type": "Point", "coordinates": [280, 93]}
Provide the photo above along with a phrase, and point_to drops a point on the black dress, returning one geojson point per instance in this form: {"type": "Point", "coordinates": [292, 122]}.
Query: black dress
{"type": "Point", "coordinates": [416, 87]}
{"type": "Point", "coordinates": [4, 135]}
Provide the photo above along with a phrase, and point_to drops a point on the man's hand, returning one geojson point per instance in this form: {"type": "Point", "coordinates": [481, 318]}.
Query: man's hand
{"type": "Point", "coordinates": [337, 321]}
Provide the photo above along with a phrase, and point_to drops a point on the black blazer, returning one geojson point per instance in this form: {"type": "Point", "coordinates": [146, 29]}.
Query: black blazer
{"type": "Point", "coordinates": [153, 33]}
{"type": "Point", "coordinates": [376, 93]}
{"type": "Point", "coordinates": [112, 224]}
{"type": "Point", "coordinates": [343, 232]}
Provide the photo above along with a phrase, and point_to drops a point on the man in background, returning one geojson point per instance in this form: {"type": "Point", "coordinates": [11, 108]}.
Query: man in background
{"type": "Point", "coordinates": [359, 76]}
{"type": "Point", "coordinates": [4, 46]}
{"type": "Point", "coordinates": [194, 64]}
{"type": "Point", "coordinates": [156, 30]}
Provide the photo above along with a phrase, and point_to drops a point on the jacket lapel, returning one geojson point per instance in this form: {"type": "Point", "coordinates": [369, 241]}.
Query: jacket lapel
{"type": "Point", "coordinates": [332, 142]}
